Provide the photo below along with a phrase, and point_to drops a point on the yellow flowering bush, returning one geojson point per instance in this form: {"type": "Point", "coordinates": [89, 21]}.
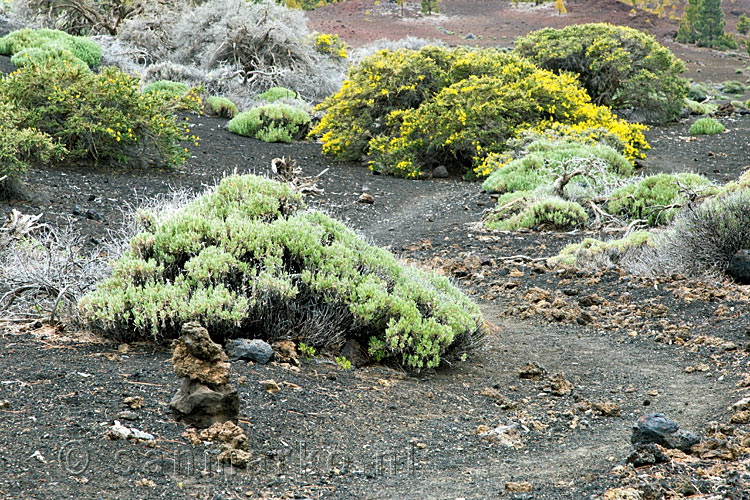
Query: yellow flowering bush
{"type": "Point", "coordinates": [480, 116]}
{"type": "Point", "coordinates": [391, 81]}
{"type": "Point", "coordinates": [330, 44]}
{"type": "Point", "coordinates": [618, 66]}
{"type": "Point", "coordinates": [98, 118]}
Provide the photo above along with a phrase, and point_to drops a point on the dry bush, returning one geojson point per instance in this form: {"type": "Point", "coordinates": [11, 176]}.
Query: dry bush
{"type": "Point", "coordinates": [702, 239]}
{"type": "Point", "coordinates": [234, 47]}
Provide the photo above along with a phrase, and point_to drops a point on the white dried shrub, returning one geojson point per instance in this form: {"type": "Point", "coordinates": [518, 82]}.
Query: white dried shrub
{"type": "Point", "coordinates": [702, 239]}
{"type": "Point", "coordinates": [241, 48]}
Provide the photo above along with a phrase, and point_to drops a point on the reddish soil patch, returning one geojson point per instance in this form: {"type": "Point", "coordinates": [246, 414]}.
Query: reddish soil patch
{"type": "Point", "coordinates": [498, 23]}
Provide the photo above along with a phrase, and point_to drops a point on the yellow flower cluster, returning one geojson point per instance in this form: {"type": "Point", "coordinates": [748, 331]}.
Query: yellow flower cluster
{"type": "Point", "coordinates": [330, 44]}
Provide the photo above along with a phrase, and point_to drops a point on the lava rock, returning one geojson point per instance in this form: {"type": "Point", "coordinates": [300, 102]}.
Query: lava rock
{"type": "Point", "coordinates": [648, 454]}
{"type": "Point", "coordinates": [201, 406]}
{"type": "Point", "coordinates": [366, 198]}
{"type": "Point", "coordinates": [440, 172]}
{"type": "Point", "coordinates": [532, 371]}
{"type": "Point", "coordinates": [353, 351]}
{"type": "Point", "coordinates": [205, 396]}
{"type": "Point", "coordinates": [656, 428]}
{"type": "Point", "coordinates": [739, 267]}
{"type": "Point", "coordinates": [250, 350]}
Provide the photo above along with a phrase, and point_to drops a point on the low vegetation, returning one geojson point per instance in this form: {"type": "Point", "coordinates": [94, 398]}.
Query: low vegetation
{"type": "Point", "coordinates": [245, 259]}
{"type": "Point", "coordinates": [706, 126]}
{"type": "Point", "coordinates": [408, 111]}
{"type": "Point", "coordinates": [619, 67]}
{"type": "Point", "coordinates": [656, 199]}
{"type": "Point", "coordinates": [274, 122]}
{"type": "Point", "coordinates": [28, 46]}
{"type": "Point", "coordinates": [222, 107]}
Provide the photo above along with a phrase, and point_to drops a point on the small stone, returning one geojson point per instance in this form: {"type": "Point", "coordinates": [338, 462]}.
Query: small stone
{"type": "Point", "coordinates": [4, 404]}
{"type": "Point", "coordinates": [531, 371]}
{"type": "Point", "coordinates": [134, 402]}
{"type": "Point", "coordinates": [739, 267]}
{"type": "Point", "coordinates": [37, 455]}
{"type": "Point", "coordinates": [255, 350]}
{"type": "Point", "coordinates": [366, 198]}
{"type": "Point", "coordinates": [235, 457]}
{"type": "Point", "coordinates": [648, 454]}
{"type": "Point", "coordinates": [353, 351]}
{"type": "Point", "coordinates": [127, 415]}
{"type": "Point", "coordinates": [270, 385]}
{"type": "Point", "coordinates": [227, 433]}
{"type": "Point", "coordinates": [515, 487]}
{"type": "Point", "coordinates": [658, 429]}
{"type": "Point", "coordinates": [741, 417]}
{"type": "Point", "coordinates": [606, 408]}
{"type": "Point", "coordinates": [622, 494]}
{"type": "Point", "coordinates": [742, 404]}
{"type": "Point", "coordinates": [506, 435]}
{"type": "Point", "coordinates": [286, 352]}
{"type": "Point", "coordinates": [440, 172]}
{"type": "Point", "coordinates": [147, 483]}
{"type": "Point", "coordinates": [558, 385]}
{"type": "Point", "coordinates": [470, 36]}
{"type": "Point", "coordinates": [199, 358]}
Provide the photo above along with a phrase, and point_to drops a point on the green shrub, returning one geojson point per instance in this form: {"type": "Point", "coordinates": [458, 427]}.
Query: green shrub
{"type": "Point", "coordinates": [733, 87]}
{"type": "Point", "coordinates": [522, 211]}
{"type": "Point", "coordinates": [595, 253]}
{"type": "Point", "coordinates": [545, 160]}
{"type": "Point", "coordinates": [275, 93]}
{"type": "Point", "coordinates": [700, 108]}
{"type": "Point", "coordinates": [52, 53]}
{"type": "Point", "coordinates": [20, 146]}
{"type": "Point", "coordinates": [51, 42]}
{"type": "Point", "coordinates": [245, 260]}
{"type": "Point", "coordinates": [99, 118]}
{"type": "Point", "coordinates": [654, 198]}
{"type": "Point", "coordinates": [743, 25]}
{"type": "Point", "coordinates": [698, 92]}
{"type": "Point", "coordinates": [618, 66]}
{"type": "Point", "coordinates": [167, 88]}
{"type": "Point", "coordinates": [706, 126]}
{"type": "Point", "coordinates": [221, 106]}
{"type": "Point", "coordinates": [176, 96]}
{"type": "Point", "coordinates": [273, 122]}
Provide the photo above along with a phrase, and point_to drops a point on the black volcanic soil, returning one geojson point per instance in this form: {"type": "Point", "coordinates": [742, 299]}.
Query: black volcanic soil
{"type": "Point", "coordinates": [639, 345]}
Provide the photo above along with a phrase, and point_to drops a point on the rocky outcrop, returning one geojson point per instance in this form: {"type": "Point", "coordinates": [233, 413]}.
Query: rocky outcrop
{"type": "Point", "coordinates": [205, 397]}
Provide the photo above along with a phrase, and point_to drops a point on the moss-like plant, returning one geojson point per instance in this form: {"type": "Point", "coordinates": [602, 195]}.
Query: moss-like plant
{"type": "Point", "coordinates": [273, 122]}
{"type": "Point", "coordinates": [700, 108]}
{"type": "Point", "coordinates": [49, 44]}
{"type": "Point", "coordinates": [221, 106]}
{"type": "Point", "coordinates": [52, 53]}
{"type": "Point", "coordinates": [657, 198]}
{"type": "Point", "coordinates": [520, 211]}
{"type": "Point", "coordinates": [546, 160]}
{"type": "Point", "coordinates": [167, 88]}
{"type": "Point", "coordinates": [597, 253]}
{"type": "Point", "coordinates": [706, 126]}
{"type": "Point", "coordinates": [275, 93]}
{"type": "Point", "coordinates": [245, 260]}
{"type": "Point", "coordinates": [619, 67]}
{"type": "Point", "coordinates": [733, 87]}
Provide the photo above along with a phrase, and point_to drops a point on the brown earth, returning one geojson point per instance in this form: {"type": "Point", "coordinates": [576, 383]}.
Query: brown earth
{"type": "Point", "coordinates": [635, 345]}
